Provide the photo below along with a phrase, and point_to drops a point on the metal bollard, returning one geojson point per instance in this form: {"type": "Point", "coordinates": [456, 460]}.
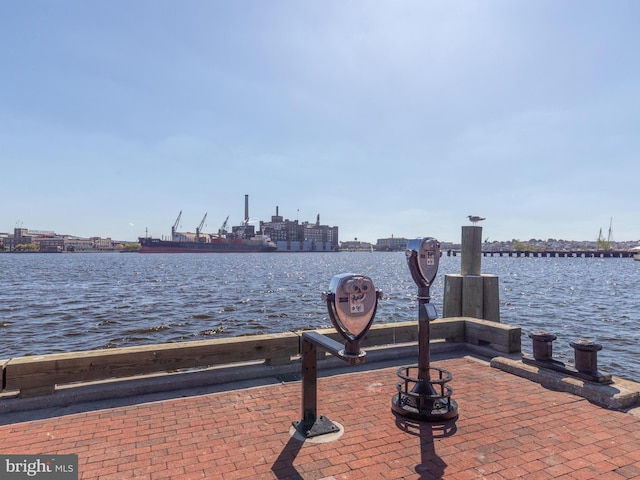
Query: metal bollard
{"type": "Point", "coordinates": [586, 355]}
{"type": "Point", "coordinates": [542, 345]}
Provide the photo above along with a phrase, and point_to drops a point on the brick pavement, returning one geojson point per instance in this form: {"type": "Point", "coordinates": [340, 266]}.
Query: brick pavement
{"type": "Point", "coordinates": [508, 427]}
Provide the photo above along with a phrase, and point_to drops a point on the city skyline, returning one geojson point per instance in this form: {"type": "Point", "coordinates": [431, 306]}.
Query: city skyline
{"type": "Point", "coordinates": [486, 239]}
{"type": "Point", "coordinates": [385, 118]}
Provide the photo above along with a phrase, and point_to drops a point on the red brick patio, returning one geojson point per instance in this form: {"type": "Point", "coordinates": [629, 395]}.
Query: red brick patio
{"type": "Point", "coordinates": [508, 427]}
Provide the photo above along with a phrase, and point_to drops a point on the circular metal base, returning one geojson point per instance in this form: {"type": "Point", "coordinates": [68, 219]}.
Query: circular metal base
{"type": "Point", "coordinates": [438, 410]}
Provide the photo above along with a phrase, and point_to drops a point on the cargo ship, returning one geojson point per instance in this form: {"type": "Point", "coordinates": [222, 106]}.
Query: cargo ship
{"type": "Point", "coordinates": [259, 243]}
{"type": "Point", "coordinates": [242, 239]}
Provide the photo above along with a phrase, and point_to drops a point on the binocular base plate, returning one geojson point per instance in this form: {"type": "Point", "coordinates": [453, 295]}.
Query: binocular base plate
{"type": "Point", "coordinates": [321, 426]}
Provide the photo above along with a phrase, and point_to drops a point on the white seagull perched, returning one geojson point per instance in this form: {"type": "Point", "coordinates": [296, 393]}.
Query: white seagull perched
{"type": "Point", "coordinates": [475, 219]}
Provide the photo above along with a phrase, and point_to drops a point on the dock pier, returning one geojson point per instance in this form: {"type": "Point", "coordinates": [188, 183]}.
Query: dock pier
{"type": "Point", "coordinates": [552, 253]}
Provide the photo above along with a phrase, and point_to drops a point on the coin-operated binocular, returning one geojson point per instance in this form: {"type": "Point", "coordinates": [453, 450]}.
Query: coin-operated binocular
{"type": "Point", "coordinates": [423, 393]}
{"type": "Point", "coordinates": [423, 258]}
{"type": "Point", "coordinates": [352, 301]}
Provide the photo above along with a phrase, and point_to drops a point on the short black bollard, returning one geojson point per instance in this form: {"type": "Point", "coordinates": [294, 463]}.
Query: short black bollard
{"type": "Point", "coordinates": [542, 345]}
{"type": "Point", "coordinates": [586, 355]}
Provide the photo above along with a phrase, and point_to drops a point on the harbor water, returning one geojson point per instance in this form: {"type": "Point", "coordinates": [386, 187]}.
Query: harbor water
{"type": "Point", "coordinates": [53, 303]}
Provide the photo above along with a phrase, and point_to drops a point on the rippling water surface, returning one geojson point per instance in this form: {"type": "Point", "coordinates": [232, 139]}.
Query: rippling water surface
{"type": "Point", "coordinates": [56, 303]}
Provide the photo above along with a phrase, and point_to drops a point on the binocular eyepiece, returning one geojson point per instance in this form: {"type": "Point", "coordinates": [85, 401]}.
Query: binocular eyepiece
{"type": "Point", "coordinates": [352, 301]}
{"type": "Point", "coordinates": [423, 258]}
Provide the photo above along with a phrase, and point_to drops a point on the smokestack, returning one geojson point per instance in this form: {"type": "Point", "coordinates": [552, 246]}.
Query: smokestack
{"type": "Point", "coordinates": [277, 211]}
{"type": "Point", "coordinates": [246, 209]}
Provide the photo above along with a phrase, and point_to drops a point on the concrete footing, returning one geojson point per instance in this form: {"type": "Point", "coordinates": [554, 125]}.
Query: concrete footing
{"type": "Point", "coordinates": [621, 394]}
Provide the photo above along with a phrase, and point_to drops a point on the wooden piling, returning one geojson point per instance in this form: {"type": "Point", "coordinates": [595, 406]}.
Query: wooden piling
{"type": "Point", "coordinates": [452, 306]}
{"type": "Point", "coordinates": [491, 297]}
{"type": "Point", "coordinates": [472, 296]}
{"type": "Point", "coordinates": [471, 261]}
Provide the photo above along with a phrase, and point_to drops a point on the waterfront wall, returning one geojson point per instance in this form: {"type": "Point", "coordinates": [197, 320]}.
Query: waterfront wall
{"type": "Point", "coordinates": [41, 375]}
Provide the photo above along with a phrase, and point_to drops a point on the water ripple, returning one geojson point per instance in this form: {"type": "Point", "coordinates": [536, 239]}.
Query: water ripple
{"type": "Point", "coordinates": [52, 303]}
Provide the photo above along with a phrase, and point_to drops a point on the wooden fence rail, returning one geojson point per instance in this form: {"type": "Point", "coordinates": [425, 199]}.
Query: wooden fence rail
{"type": "Point", "coordinates": [39, 375]}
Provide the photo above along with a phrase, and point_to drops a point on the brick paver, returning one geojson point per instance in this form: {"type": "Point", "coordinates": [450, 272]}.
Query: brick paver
{"type": "Point", "coordinates": [508, 427]}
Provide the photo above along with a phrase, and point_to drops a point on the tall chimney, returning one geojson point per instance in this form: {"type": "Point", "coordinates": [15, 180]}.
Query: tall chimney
{"type": "Point", "coordinates": [246, 209]}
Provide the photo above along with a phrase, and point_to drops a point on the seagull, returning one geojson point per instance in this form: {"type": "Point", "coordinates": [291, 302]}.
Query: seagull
{"type": "Point", "coordinates": [475, 219]}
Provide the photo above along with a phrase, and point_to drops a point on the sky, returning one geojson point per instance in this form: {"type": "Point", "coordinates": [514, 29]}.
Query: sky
{"type": "Point", "coordinates": [386, 118]}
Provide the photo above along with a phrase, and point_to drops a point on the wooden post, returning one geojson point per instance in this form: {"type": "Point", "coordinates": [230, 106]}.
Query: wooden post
{"type": "Point", "coordinates": [472, 296]}
{"type": "Point", "coordinates": [491, 297]}
{"type": "Point", "coordinates": [452, 296]}
{"type": "Point", "coordinates": [470, 263]}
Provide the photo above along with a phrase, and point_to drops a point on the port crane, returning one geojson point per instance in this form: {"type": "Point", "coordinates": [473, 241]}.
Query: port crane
{"type": "Point", "coordinates": [175, 226]}
{"type": "Point", "coordinates": [223, 229]}
{"type": "Point", "coordinates": [199, 227]}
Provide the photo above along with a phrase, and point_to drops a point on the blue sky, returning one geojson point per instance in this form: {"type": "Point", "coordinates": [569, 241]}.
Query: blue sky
{"type": "Point", "coordinates": [385, 117]}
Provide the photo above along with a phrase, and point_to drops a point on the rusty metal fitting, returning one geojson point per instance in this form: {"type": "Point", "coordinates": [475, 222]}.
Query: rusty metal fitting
{"type": "Point", "coordinates": [542, 344]}
{"type": "Point", "coordinates": [586, 355]}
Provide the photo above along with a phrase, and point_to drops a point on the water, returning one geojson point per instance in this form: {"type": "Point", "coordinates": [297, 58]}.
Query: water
{"type": "Point", "coordinates": [57, 303]}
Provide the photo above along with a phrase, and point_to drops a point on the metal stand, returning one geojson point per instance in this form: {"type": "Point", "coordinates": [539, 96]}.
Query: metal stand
{"type": "Point", "coordinates": [424, 397]}
{"type": "Point", "coordinates": [313, 424]}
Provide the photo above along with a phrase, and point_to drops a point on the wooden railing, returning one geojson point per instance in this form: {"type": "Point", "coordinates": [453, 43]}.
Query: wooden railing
{"type": "Point", "coordinates": [39, 375]}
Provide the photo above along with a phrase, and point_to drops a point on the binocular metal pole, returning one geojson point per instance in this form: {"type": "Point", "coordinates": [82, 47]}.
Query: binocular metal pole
{"type": "Point", "coordinates": [424, 337]}
{"type": "Point", "coordinates": [424, 397]}
{"type": "Point", "coordinates": [312, 424]}
{"type": "Point", "coordinates": [351, 304]}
